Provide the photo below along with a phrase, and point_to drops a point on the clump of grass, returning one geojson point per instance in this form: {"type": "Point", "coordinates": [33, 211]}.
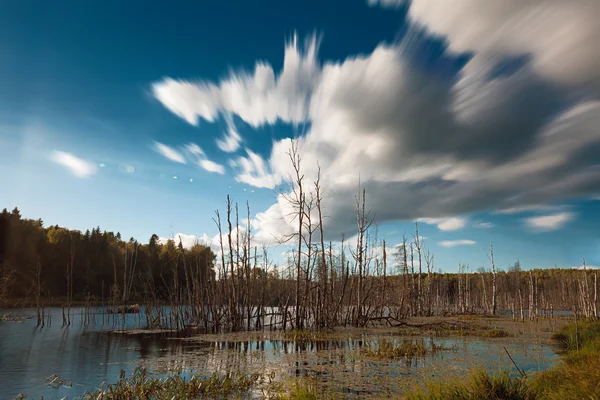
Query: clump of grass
{"type": "Point", "coordinates": [299, 389]}
{"type": "Point", "coordinates": [389, 351]}
{"type": "Point", "coordinates": [458, 328]}
{"type": "Point", "coordinates": [578, 374]}
{"type": "Point", "coordinates": [494, 333]}
{"type": "Point", "coordinates": [141, 386]}
{"type": "Point", "coordinates": [581, 334]}
{"type": "Point", "coordinates": [576, 377]}
{"type": "Point", "coordinates": [478, 386]}
{"type": "Point", "coordinates": [310, 335]}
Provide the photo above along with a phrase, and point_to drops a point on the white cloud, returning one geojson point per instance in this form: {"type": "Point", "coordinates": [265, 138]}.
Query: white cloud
{"type": "Point", "coordinates": [194, 149]}
{"type": "Point", "coordinates": [187, 241]}
{"type": "Point", "coordinates": [257, 98]}
{"type": "Point", "coordinates": [193, 152]}
{"type": "Point", "coordinates": [425, 145]}
{"type": "Point", "coordinates": [549, 222]}
{"type": "Point", "coordinates": [558, 35]}
{"type": "Point", "coordinates": [445, 224]}
{"type": "Point", "coordinates": [254, 171]}
{"type": "Point", "coordinates": [529, 208]}
{"type": "Point", "coordinates": [169, 153]}
{"type": "Point", "coordinates": [77, 166]}
{"type": "Point", "coordinates": [212, 166]}
{"type": "Point", "coordinates": [454, 243]}
{"type": "Point", "coordinates": [483, 225]}
{"type": "Point", "coordinates": [584, 267]}
{"type": "Point", "coordinates": [231, 139]}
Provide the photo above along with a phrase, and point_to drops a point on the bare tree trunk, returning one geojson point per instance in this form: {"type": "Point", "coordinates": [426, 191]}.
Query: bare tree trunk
{"type": "Point", "coordinates": [493, 280]}
{"type": "Point", "coordinates": [419, 285]}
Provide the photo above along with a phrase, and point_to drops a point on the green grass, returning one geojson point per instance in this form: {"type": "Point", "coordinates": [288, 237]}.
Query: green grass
{"type": "Point", "coordinates": [577, 376]}
{"type": "Point", "coordinates": [494, 333]}
{"type": "Point", "coordinates": [478, 386]}
{"type": "Point", "coordinates": [141, 386]}
{"type": "Point", "coordinates": [306, 335]}
{"type": "Point", "coordinates": [585, 332]}
{"type": "Point", "coordinates": [389, 351]}
{"type": "Point", "coordinates": [455, 329]}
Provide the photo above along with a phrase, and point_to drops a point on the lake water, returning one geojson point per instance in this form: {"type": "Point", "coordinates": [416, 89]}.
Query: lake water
{"type": "Point", "coordinates": [86, 356]}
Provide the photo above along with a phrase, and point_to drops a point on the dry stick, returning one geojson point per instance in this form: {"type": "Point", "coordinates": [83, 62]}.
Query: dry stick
{"type": "Point", "coordinates": [514, 363]}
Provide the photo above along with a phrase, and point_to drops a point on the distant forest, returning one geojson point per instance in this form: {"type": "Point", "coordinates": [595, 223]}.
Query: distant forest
{"type": "Point", "coordinates": [90, 262]}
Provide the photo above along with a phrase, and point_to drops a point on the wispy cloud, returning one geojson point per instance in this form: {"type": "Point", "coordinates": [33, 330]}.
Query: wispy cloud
{"type": "Point", "coordinates": [530, 208]}
{"type": "Point", "coordinates": [549, 222]}
{"type": "Point", "coordinates": [255, 171]}
{"type": "Point", "coordinates": [169, 152]}
{"type": "Point", "coordinates": [77, 166]}
{"type": "Point", "coordinates": [483, 225]}
{"type": "Point", "coordinates": [212, 166]}
{"type": "Point", "coordinates": [194, 149]}
{"type": "Point", "coordinates": [454, 243]}
{"type": "Point", "coordinates": [195, 152]}
{"type": "Point", "coordinates": [445, 224]}
{"type": "Point", "coordinates": [584, 267]}
{"type": "Point", "coordinates": [258, 98]}
{"type": "Point", "coordinates": [410, 131]}
{"type": "Point", "coordinates": [231, 139]}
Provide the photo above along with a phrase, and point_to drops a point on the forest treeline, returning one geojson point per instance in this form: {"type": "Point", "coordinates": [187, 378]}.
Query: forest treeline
{"type": "Point", "coordinates": [60, 263]}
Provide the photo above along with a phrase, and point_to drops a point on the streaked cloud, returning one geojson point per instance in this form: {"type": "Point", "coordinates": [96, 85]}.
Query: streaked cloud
{"type": "Point", "coordinates": [424, 146]}
{"type": "Point", "coordinates": [529, 208]}
{"type": "Point", "coordinates": [559, 36]}
{"type": "Point", "coordinates": [169, 153]}
{"type": "Point", "coordinates": [212, 166]}
{"type": "Point", "coordinates": [445, 224]}
{"type": "Point", "coordinates": [258, 98]}
{"type": "Point", "coordinates": [483, 225]}
{"type": "Point", "coordinates": [77, 166]}
{"type": "Point", "coordinates": [549, 222]}
{"type": "Point", "coordinates": [231, 139]}
{"type": "Point", "coordinates": [454, 243]}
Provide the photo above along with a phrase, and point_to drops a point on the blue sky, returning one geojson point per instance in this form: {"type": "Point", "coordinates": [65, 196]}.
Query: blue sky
{"type": "Point", "coordinates": [482, 127]}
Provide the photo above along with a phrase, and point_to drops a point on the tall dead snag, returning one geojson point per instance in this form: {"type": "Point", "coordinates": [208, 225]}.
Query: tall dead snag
{"type": "Point", "coordinates": [384, 297]}
{"type": "Point", "coordinates": [217, 221]}
{"type": "Point", "coordinates": [413, 292]}
{"type": "Point", "coordinates": [324, 306]}
{"type": "Point", "coordinates": [404, 272]}
{"type": "Point", "coordinates": [234, 309]}
{"type": "Point", "coordinates": [419, 285]}
{"type": "Point", "coordinates": [531, 296]}
{"type": "Point", "coordinates": [493, 280]}
{"type": "Point", "coordinates": [297, 200]}
{"type": "Point", "coordinates": [363, 221]}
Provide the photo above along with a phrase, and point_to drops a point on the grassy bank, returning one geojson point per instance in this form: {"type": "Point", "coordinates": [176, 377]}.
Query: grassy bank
{"type": "Point", "coordinates": [577, 376]}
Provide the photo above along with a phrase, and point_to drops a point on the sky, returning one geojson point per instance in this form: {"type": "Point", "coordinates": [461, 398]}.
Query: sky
{"type": "Point", "coordinates": [479, 120]}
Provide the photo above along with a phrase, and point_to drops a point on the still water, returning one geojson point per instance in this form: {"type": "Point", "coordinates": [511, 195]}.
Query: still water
{"type": "Point", "coordinates": [87, 356]}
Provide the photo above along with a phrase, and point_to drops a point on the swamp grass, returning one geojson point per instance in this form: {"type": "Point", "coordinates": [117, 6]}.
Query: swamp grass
{"type": "Point", "coordinates": [576, 376]}
{"type": "Point", "coordinates": [386, 350]}
{"type": "Point", "coordinates": [140, 386]}
{"type": "Point", "coordinates": [454, 328]}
